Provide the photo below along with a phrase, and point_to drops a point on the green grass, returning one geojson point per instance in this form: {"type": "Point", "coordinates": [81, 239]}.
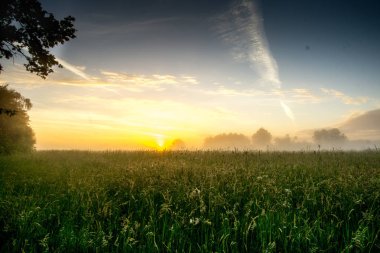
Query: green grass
{"type": "Point", "coordinates": [71, 201]}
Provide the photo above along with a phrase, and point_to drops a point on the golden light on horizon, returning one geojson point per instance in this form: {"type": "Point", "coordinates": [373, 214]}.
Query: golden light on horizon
{"type": "Point", "coordinates": [161, 142]}
{"type": "Point", "coordinates": [157, 142]}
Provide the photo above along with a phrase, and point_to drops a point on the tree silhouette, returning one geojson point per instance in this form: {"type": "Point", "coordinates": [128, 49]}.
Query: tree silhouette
{"type": "Point", "coordinates": [330, 137]}
{"type": "Point", "coordinates": [177, 144]}
{"type": "Point", "coordinates": [282, 142]}
{"type": "Point", "coordinates": [227, 141]}
{"type": "Point", "coordinates": [261, 138]}
{"type": "Point", "coordinates": [29, 31]}
{"type": "Point", "coordinates": [15, 132]}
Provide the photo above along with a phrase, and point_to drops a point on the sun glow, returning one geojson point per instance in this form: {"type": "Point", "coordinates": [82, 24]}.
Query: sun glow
{"type": "Point", "coordinates": [160, 142]}
{"type": "Point", "coordinates": [157, 142]}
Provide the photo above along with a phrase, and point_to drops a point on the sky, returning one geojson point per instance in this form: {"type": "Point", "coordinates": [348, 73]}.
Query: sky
{"type": "Point", "coordinates": [142, 73]}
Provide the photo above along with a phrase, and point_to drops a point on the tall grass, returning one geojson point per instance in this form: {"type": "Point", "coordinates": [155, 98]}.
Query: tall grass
{"type": "Point", "coordinates": [71, 201]}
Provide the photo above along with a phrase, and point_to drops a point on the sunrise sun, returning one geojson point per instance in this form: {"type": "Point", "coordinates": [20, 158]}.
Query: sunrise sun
{"type": "Point", "coordinates": [160, 142]}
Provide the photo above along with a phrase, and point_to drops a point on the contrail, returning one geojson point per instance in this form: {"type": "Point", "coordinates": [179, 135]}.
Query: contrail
{"type": "Point", "coordinates": [287, 110]}
{"type": "Point", "coordinates": [243, 28]}
{"type": "Point", "coordinates": [73, 69]}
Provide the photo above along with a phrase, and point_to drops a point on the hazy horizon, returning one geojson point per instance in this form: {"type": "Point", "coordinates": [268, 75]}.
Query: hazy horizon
{"type": "Point", "coordinates": [145, 73]}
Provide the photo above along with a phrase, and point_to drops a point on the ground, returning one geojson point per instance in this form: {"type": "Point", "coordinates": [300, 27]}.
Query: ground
{"type": "Point", "coordinates": [76, 201]}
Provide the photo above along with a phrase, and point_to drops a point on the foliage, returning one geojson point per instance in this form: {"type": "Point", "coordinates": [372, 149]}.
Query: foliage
{"type": "Point", "coordinates": [261, 138]}
{"type": "Point", "coordinates": [28, 30]}
{"type": "Point", "coordinates": [15, 132]}
{"type": "Point", "coordinates": [70, 201]}
{"type": "Point", "coordinates": [283, 141]}
{"type": "Point", "coordinates": [177, 144]}
{"type": "Point", "coordinates": [330, 136]}
{"type": "Point", "coordinates": [227, 141]}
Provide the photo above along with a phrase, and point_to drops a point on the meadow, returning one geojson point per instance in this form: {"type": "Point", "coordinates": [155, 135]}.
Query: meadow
{"type": "Point", "coordinates": [200, 201]}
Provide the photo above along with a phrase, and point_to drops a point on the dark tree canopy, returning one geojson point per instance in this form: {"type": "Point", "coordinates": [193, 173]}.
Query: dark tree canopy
{"type": "Point", "coordinates": [261, 138]}
{"type": "Point", "coordinates": [29, 31]}
{"type": "Point", "coordinates": [15, 133]}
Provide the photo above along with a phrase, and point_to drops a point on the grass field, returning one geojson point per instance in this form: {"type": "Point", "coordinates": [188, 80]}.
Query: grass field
{"type": "Point", "coordinates": [71, 201]}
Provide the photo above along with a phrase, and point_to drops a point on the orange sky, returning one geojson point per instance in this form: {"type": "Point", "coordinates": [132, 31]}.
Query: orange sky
{"type": "Point", "coordinates": [141, 81]}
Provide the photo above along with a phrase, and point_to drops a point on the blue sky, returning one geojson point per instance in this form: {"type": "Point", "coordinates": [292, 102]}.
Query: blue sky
{"type": "Point", "coordinates": [190, 69]}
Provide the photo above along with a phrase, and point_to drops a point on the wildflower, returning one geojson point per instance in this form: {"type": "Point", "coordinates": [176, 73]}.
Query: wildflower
{"type": "Point", "coordinates": [194, 221]}
{"type": "Point", "coordinates": [207, 222]}
{"type": "Point", "coordinates": [195, 193]}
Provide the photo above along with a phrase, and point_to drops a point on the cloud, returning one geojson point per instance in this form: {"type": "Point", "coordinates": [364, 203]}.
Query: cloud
{"type": "Point", "coordinates": [76, 76]}
{"type": "Point", "coordinates": [189, 80]}
{"type": "Point", "coordinates": [242, 27]}
{"type": "Point", "coordinates": [345, 98]}
{"type": "Point", "coordinates": [225, 91]}
{"type": "Point", "coordinates": [305, 95]}
{"type": "Point", "coordinates": [365, 121]}
{"type": "Point", "coordinates": [139, 82]}
{"type": "Point", "coordinates": [297, 95]}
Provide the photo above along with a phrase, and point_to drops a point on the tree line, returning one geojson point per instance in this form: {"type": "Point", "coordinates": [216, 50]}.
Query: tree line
{"type": "Point", "coordinates": [263, 139]}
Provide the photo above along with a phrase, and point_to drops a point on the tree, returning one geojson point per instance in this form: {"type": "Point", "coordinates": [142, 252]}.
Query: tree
{"type": "Point", "coordinates": [261, 138]}
{"type": "Point", "coordinates": [15, 133]}
{"type": "Point", "coordinates": [290, 143]}
{"type": "Point", "coordinates": [227, 141]}
{"type": "Point", "coordinates": [330, 137]}
{"type": "Point", "coordinates": [29, 31]}
{"type": "Point", "coordinates": [177, 144]}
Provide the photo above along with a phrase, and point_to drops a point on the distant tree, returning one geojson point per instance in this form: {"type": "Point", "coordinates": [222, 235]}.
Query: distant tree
{"type": "Point", "coordinates": [289, 143]}
{"type": "Point", "coordinates": [178, 144]}
{"type": "Point", "coordinates": [285, 141]}
{"type": "Point", "coordinates": [227, 141]}
{"type": "Point", "coordinates": [29, 31]}
{"type": "Point", "coordinates": [330, 136]}
{"type": "Point", "coordinates": [261, 138]}
{"type": "Point", "coordinates": [15, 133]}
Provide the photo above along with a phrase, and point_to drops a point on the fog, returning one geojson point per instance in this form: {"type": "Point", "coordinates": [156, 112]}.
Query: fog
{"type": "Point", "coordinates": [320, 139]}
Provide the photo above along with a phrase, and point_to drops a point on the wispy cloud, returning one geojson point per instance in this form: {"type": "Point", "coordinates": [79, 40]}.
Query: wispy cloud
{"type": "Point", "coordinates": [287, 110]}
{"type": "Point", "coordinates": [297, 95]}
{"type": "Point", "coordinates": [79, 71]}
{"type": "Point", "coordinates": [140, 82]}
{"type": "Point", "coordinates": [345, 98]}
{"type": "Point", "coordinates": [242, 27]}
{"type": "Point", "coordinates": [305, 95]}
{"type": "Point", "coordinates": [77, 76]}
{"type": "Point", "coordinates": [189, 80]}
